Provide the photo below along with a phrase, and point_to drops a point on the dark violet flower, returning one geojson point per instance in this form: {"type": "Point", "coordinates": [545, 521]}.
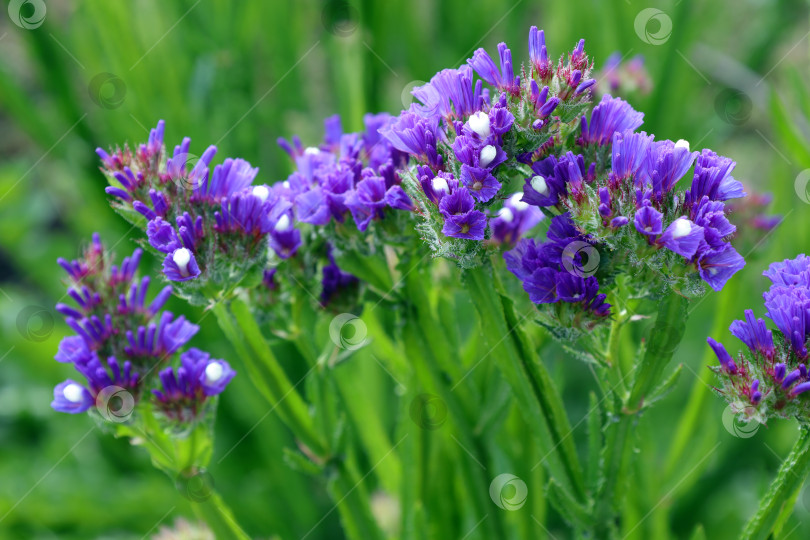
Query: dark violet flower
{"type": "Point", "coordinates": [411, 133]}
{"type": "Point", "coordinates": [612, 115]}
{"type": "Point", "coordinates": [436, 186]}
{"type": "Point", "coordinates": [790, 272]}
{"type": "Point", "coordinates": [538, 54]}
{"type": "Point", "coordinates": [312, 208]}
{"type": "Point", "coordinates": [755, 334]}
{"type": "Point", "coordinates": [244, 214]}
{"type": "Point", "coordinates": [544, 188]}
{"type": "Point", "coordinates": [367, 201]}
{"type": "Point", "coordinates": [334, 280]}
{"type": "Point", "coordinates": [162, 235]}
{"type": "Point", "coordinates": [480, 182]}
{"type": "Point", "coordinates": [186, 389]}
{"type": "Point", "coordinates": [628, 154]}
{"type": "Point", "coordinates": [649, 222]}
{"type": "Point", "coordinates": [683, 237]}
{"type": "Point", "coordinates": [285, 241]}
{"type": "Point", "coordinates": [771, 378]}
{"type": "Point", "coordinates": [713, 179]}
{"type": "Point", "coordinates": [71, 397]}
{"type": "Point", "coordinates": [477, 153]}
{"type": "Point", "coordinates": [716, 266]}
{"type": "Point", "coordinates": [514, 219]}
{"type": "Point", "coordinates": [461, 219]}
{"type": "Point", "coordinates": [722, 355]}
{"type": "Point", "coordinates": [503, 79]}
{"type": "Point", "coordinates": [548, 271]}
{"type": "Point", "coordinates": [180, 265]}
{"type": "Point", "coordinates": [231, 176]}
{"type": "Point", "coordinates": [666, 163]}
{"type": "Point", "coordinates": [450, 94]}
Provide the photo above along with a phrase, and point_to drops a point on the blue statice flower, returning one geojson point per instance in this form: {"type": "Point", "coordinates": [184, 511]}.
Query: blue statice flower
{"type": "Point", "coordinates": [770, 379]}
{"type": "Point", "coordinates": [559, 271]}
{"type": "Point", "coordinates": [186, 390]}
{"type": "Point", "coordinates": [121, 340]}
{"type": "Point", "coordinates": [467, 140]}
{"type": "Point", "coordinates": [514, 219]}
{"type": "Point", "coordinates": [209, 222]}
{"type": "Point", "coordinates": [335, 282]}
{"type": "Point", "coordinates": [352, 173]}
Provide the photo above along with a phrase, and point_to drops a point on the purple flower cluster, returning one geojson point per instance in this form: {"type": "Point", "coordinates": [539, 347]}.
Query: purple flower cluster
{"type": "Point", "coordinates": [459, 135]}
{"type": "Point", "coordinates": [772, 379]}
{"type": "Point", "coordinates": [350, 174]}
{"type": "Point", "coordinates": [185, 390]}
{"type": "Point", "coordinates": [121, 339]}
{"type": "Point", "coordinates": [197, 216]}
{"type": "Point", "coordinates": [559, 270]}
{"type": "Point", "coordinates": [640, 187]}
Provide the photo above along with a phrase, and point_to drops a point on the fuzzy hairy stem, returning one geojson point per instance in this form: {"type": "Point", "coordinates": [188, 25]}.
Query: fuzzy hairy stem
{"type": "Point", "coordinates": [789, 479]}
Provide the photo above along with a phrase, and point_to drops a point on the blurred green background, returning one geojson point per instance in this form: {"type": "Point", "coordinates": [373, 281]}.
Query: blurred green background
{"type": "Point", "coordinates": [731, 75]}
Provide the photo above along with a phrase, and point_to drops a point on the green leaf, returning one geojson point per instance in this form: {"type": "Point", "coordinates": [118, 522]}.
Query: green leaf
{"type": "Point", "coordinates": [663, 389]}
{"type": "Point", "coordinates": [562, 501]}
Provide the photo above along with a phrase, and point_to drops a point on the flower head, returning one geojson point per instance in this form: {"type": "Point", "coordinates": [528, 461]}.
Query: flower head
{"type": "Point", "coordinates": [769, 378]}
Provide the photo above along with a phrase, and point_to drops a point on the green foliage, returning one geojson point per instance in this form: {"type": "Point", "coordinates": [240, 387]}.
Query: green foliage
{"type": "Point", "coordinates": [242, 75]}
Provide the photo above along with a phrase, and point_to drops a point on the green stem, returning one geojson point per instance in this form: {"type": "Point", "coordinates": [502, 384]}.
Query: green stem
{"type": "Point", "coordinates": [791, 475]}
{"type": "Point", "coordinates": [427, 367]}
{"type": "Point", "coordinates": [266, 373]}
{"type": "Point", "coordinates": [537, 395]}
{"type": "Point", "coordinates": [353, 504]}
{"type": "Point", "coordinates": [617, 453]}
{"type": "Point", "coordinates": [214, 512]}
